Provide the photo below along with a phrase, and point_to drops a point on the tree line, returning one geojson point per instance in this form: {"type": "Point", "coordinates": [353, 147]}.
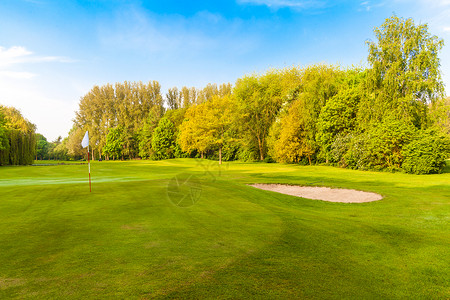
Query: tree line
{"type": "Point", "coordinates": [389, 115]}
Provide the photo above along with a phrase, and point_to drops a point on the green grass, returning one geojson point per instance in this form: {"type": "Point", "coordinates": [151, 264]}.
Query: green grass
{"type": "Point", "coordinates": [127, 239]}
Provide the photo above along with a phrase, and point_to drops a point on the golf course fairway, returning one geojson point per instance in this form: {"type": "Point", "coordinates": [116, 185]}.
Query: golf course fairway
{"type": "Point", "coordinates": [185, 228]}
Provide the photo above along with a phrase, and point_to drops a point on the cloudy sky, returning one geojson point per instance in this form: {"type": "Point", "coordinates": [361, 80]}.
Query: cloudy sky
{"type": "Point", "coordinates": [53, 52]}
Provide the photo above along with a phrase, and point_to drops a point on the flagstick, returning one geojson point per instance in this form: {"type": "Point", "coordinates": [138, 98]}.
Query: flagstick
{"type": "Point", "coordinates": [89, 165]}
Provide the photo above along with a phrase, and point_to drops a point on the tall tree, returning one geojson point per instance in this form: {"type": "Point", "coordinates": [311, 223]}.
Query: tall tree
{"type": "Point", "coordinates": [259, 99]}
{"type": "Point", "coordinates": [404, 74]}
{"type": "Point", "coordinates": [21, 146]}
{"type": "Point", "coordinates": [292, 144]}
{"type": "Point", "coordinates": [193, 130]}
{"type": "Point", "coordinates": [73, 143]}
{"type": "Point", "coordinates": [297, 135]}
{"type": "Point", "coordinates": [126, 104]}
{"type": "Point", "coordinates": [225, 89]}
{"type": "Point", "coordinates": [338, 115]}
{"type": "Point", "coordinates": [172, 97]}
{"type": "Point", "coordinates": [207, 93]}
{"type": "Point", "coordinates": [206, 125]}
{"type": "Point", "coordinates": [146, 132]}
{"type": "Point", "coordinates": [164, 139]}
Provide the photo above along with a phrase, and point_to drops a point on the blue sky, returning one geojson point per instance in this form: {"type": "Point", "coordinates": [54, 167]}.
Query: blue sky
{"type": "Point", "coordinates": [53, 52]}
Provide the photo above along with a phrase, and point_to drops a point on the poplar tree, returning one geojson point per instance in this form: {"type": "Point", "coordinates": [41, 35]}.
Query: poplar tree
{"type": "Point", "coordinates": [172, 98]}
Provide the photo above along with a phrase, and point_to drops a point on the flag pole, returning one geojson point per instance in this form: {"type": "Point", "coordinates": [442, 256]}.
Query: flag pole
{"type": "Point", "coordinates": [89, 166]}
{"type": "Point", "coordinates": [85, 143]}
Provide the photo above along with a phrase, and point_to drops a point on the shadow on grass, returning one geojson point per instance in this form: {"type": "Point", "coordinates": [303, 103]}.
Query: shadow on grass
{"type": "Point", "coordinates": [447, 167]}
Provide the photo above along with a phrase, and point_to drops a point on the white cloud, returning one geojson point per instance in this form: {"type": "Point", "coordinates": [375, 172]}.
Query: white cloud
{"type": "Point", "coordinates": [12, 55]}
{"type": "Point", "coordinates": [20, 55]}
{"type": "Point", "coordinates": [294, 4]}
{"type": "Point", "coordinates": [15, 55]}
{"type": "Point", "coordinates": [366, 5]}
{"type": "Point", "coordinates": [370, 5]}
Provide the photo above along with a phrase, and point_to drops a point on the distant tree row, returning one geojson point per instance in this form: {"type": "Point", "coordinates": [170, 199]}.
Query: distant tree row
{"type": "Point", "coordinates": [391, 115]}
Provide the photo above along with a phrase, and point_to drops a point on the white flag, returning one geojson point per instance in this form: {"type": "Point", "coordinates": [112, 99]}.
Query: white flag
{"type": "Point", "coordinates": [85, 141]}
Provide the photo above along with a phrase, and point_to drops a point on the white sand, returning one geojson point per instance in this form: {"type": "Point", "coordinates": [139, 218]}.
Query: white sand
{"type": "Point", "coordinates": [321, 193]}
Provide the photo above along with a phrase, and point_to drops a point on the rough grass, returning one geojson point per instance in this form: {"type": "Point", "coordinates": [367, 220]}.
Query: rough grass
{"type": "Point", "coordinates": [127, 239]}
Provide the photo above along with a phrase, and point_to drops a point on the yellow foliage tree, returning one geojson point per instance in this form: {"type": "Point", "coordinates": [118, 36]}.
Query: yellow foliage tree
{"type": "Point", "coordinates": [206, 125]}
{"type": "Point", "coordinates": [293, 144]}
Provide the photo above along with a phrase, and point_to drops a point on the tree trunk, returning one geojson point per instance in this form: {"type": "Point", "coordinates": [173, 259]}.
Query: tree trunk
{"type": "Point", "coordinates": [202, 155]}
{"type": "Point", "coordinates": [261, 152]}
{"type": "Point", "coordinates": [220, 155]}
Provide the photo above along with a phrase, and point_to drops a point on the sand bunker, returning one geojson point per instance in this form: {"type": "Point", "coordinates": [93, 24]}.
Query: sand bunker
{"type": "Point", "coordinates": [321, 193]}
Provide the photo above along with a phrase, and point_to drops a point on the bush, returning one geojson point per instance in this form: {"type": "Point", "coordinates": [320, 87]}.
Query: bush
{"type": "Point", "coordinates": [339, 148]}
{"type": "Point", "coordinates": [269, 159]}
{"type": "Point", "coordinates": [386, 141]}
{"type": "Point", "coordinates": [426, 153]}
{"type": "Point", "coordinates": [351, 151]}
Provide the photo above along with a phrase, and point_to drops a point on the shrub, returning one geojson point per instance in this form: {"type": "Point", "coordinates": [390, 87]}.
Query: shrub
{"type": "Point", "coordinates": [426, 153]}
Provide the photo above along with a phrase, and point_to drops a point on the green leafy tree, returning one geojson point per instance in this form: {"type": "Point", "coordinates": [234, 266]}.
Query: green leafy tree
{"type": "Point", "coordinates": [164, 140]}
{"type": "Point", "coordinates": [404, 74]}
{"type": "Point", "coordinates": [52, 146]}
{"type": "Point", "coordinates": [125, 104]}
{"type": "Point", "coordinates": [60, 151]}
{"type": "Point", "coordinates": [440, 115]}
{"type": "Point", "coordinates": [114, 143]}
{"type": "Point", "coordinates": [146, 132]}
{"type": "Point", "coordinates": [259, 99]}
{"type": "Point", "coordinates": [380, 147]}
{"type": "Point", "coordinates": [426, 153]}
{"type": "Point", "coordinates": [20, 149]}
{"type": "Point", "coordinates": [338, 115]}
{"type": "Point", "coordinates": [73, 143]}
{"type": "Point", "coordinates": [42, 147]}
{"type": "Point", "coordinates": [298, 127]}
{"type": "Point", "coordinates": [386, 141]}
